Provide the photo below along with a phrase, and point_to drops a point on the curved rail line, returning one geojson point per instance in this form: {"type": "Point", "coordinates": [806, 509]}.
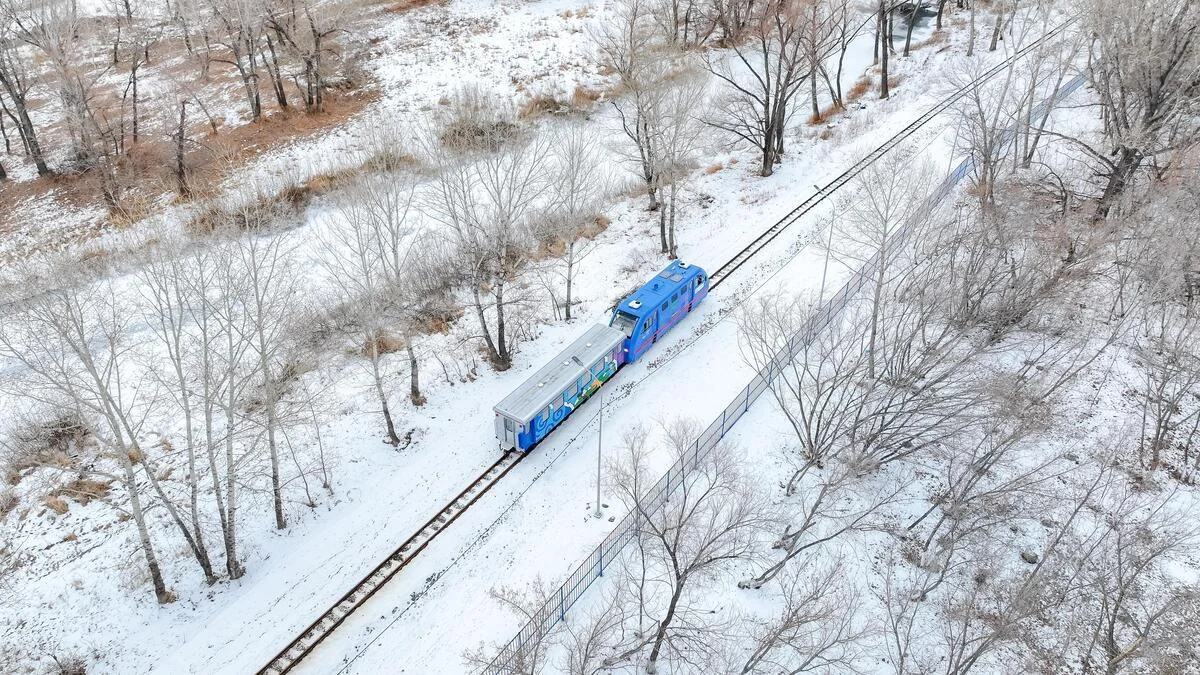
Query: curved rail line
{"type": "Point", "coordinates": [362, 591]}
{"type": "Point", "coordinates": [846, 176]}
{"type": "Point", "coordinates": [291, 655]}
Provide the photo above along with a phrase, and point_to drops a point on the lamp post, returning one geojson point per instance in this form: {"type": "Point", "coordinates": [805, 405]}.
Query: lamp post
{"type": "Point", "coordinates": [599, 444]}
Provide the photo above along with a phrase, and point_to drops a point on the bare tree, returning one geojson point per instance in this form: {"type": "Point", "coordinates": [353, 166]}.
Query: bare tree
{"type": "Point", "coordinates": [576, 193]}
{"type": "Point", "coordinates": [367, 252]}
{"type": "Point", "coordinates": [17, 79]}
{"type": "Point", "coordinates": [675, 141]}
{"type": "Point", "coordinates": [525, 603]}
{"type": "Point", "coordinates": [629, 46]}
{"type": "Point", "coordinates": [488, 208]}
{"type": "Point", "coordinates": [816, 628]}
{"type": "Point", "coordinates": [758, 107]}
{"type": "Point", "coordinates": [73, 341]}
{"type": "Point", "coordinates": [307, 30]}
{"type": "Point", "coordinates": [592, 639]}
{"type": "Point", "coordinates": [168, 299]}
{"type": "Point", "coordinates": [1129, 609]}
{"type": "Point", "coordinates": [236, 28]}
{"type": "Point", "coordinates": [892, 201]}
{"type": "Point", "coordinates": [268, 263]}
{"type": "Point", "coordinates": [1142, 64]}
{"type": "Point", "coordinates": [711, 519]}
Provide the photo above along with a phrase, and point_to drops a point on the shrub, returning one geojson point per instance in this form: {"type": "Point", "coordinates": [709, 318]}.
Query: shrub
{"type": "Point", "coordinates": [8, 501]}
{"type": "Point", "coordinates": [52, 440]}
{"type": "Point", "coordinates": [56, 504]}
{"type": "Point", "coordinates": [477, 120]}
{"type": "Point", "coordinates": [70, 665]}
{"type": "Point", "coordinates": [385, 343]}
{"type": "Point", "coordinates": [83, 490]}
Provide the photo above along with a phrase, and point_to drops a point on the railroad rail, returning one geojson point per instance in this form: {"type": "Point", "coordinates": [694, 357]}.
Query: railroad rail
{"type": "Point", "coordinates": [318, 630]}
{"type": "Point", "coordinates": [769, 235]}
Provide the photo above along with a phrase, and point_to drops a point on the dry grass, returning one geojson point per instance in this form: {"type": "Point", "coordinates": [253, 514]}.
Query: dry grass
{"type": "Point", "coordinates": [440, 321]}
{"type": "Point", "coordinates": [714, 168]}
{"type": "Point", "coordinates": [56, 504]}
{"type": "Point", "coordinates": [860, 88]}
{"type": "Point", "coordinates": [834, 108]}
{"type": "Point", "coordinates": [8, 501]}
{"type": "Point", "coordinates": [541, 105]}
{"type": "Point", "coordinates": [83, 490]}
{"type": "Point", "coordinates": [409, 5]}
{"type": "Point", "coordinates": [584, 97]}
{"type": "Point", "coordinates": [385, 343]}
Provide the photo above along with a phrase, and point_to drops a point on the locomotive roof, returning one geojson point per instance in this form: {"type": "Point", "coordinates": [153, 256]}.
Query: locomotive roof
{"type": "Point", "coordinates": [655, 291]}
{"type": "Point", "coordinates": [549, 382]}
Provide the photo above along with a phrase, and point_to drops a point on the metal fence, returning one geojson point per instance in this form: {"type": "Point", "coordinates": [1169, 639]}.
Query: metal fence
{"type": "Point", "coordinates": [514, 656]}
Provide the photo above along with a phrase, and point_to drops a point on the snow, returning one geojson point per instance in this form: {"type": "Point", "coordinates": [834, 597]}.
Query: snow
{"type": "Point", "coordinates": [537, 522]}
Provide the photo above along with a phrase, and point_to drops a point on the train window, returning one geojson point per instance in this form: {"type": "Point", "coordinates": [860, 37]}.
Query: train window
{"type": "Point", "coordinates": [699, 281]}
{"type": "Point", "coordinates": [624, 323]}
{"type": "Point", "coordinates": [664, 307]}
{"type": "Point", "coordinates": [508, 425]}
{"type": "Point", "coordinates": [674, 298]}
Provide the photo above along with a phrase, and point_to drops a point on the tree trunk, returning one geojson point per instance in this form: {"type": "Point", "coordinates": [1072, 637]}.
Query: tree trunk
{"type": "Point", "coordinates": [501, 338]}
{"type": "Point", "coordinates": [181, 182]}
{"type": "Point", "coordinates": [276, 483]}
{"type": "Point", "coordinates": [570, 273]}
{"type": "Point", "coordinates": [663, 247]}
{"type": "Point", "coordinates": [377, 376]}
{"type": "Point", "coordinates": [493, 355]}
{"type": "Point", "coordinates": [971, 32]}
{"type": "Point", "coordinates": [161, 593]}
{"type": "Point", "coordinates": [996, 31]}
{"type": "Point", "coordinates": [276, 74]}
{"type": "Point", "coordinates": [673, 252]}
{"type": "Point", "coordinates": [912, 22]}
{"type": "Point", "coordinates": [883, 67]}
{"type": "Point", "coordinates": [1118, 179]}
{"type": "Point", "coordinates": [661, 635]}
{"type": "Point", "coordinates": [25, 127]}
{"type": "Point", "coordinates": [414, 383]}
{"type": "Point", "coordinates": [812, 88]}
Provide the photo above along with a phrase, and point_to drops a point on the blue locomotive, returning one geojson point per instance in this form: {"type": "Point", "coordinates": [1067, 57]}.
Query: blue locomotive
{"type": "Point", "coordinates": [543, 401]}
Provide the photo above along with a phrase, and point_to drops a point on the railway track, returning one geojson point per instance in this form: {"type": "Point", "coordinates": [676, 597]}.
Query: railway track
{"type": "Point", "coordinates": [769, 235]}
{"type": "Point", "coordinates": [291, 655]}
{"type": "Point", "coordinates": [318, 630]}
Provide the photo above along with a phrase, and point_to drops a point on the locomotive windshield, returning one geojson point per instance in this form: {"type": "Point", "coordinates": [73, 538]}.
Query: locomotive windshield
{"type": "Point", "coordinates": [624, 323]}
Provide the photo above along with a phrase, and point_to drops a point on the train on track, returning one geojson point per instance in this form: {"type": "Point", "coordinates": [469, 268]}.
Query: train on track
{"type": "Point", "coordinates": [557, 389]}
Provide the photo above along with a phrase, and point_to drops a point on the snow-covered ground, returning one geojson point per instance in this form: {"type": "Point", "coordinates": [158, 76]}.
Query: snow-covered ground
{"type": "Point", "coordinates": [534, 524]}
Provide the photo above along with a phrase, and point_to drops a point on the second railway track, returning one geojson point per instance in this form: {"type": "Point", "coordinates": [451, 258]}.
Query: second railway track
{"type": "Point", "coordinates": [769, 235]}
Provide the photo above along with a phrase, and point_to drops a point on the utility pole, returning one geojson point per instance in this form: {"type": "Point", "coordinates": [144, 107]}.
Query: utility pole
{"type": "Point", "coordinates": [599, 444]}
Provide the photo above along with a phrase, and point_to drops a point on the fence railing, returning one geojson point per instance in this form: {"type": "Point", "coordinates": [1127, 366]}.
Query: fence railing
{"type": "Point", "coordinates": [514, 656]}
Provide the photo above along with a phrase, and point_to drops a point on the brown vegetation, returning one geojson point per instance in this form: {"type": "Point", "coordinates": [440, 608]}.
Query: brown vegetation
{"type": "Point", "coordinates": [83, 490]}
{"type": "Point", "coordinates": [55, 504]}
{"type": "Point", "coordinates": [409, 5]}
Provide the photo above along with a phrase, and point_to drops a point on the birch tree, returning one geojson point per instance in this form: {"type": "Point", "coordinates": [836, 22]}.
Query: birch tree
{"type": "Point", "coordinates": [367, 251]}
{"type": "Point", "coordinates": [268, 262]}
{"type": "Point", "coordinates": [488, 208]}
{"type": "Point", "coordinates": [74, 344]}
